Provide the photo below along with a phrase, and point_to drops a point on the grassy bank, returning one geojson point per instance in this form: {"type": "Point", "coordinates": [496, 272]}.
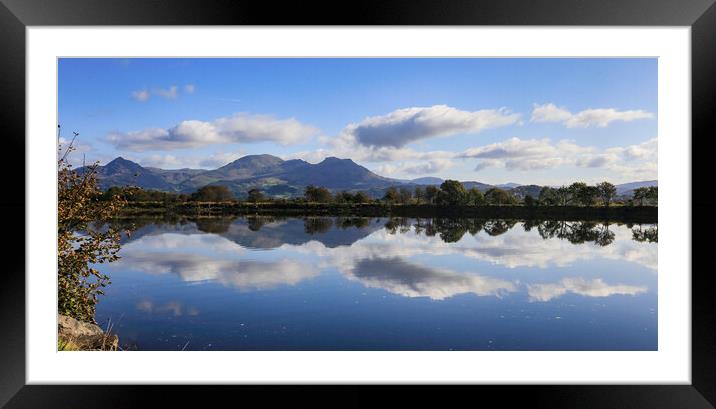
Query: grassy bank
{"type": "Point", "coordinates": [637, 214]}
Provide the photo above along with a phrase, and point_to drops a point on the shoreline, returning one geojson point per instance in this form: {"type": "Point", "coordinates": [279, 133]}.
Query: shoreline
{"type": "Point", "coordinates": [636, 214]}
{"type": "Point", "coordinates": [76, 335]}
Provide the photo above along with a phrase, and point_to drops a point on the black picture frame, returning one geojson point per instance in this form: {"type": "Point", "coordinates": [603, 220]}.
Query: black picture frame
{"type": "Point", "coordinates": [16, 15]}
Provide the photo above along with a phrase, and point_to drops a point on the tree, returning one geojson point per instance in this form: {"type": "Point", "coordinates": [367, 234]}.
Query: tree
{"type": "Point", "coordinates": [652, 194]}
{"type": "Point", "coordinates": [529, 201]}
{"type": "Point", "coordinates": [548, 196]}
{"type": "Point", "coordinates": [452, 193]}
{"type": "Point", "coordinates": [314, 225]}
{"type": "Point", "coordinates": [405, 195]}
{"type": "Point", "coordinates": [497, 196]}
{"type": "Point", "coordinates": [640, 195]}
{"type": "Point", "coordinates": [361, 197]}
{"type": "Point", "coordinates": [431, 194]}
{"type": "Point", "coordinates": [212, 193]}
{"type": "Point", "coordinates": [343, 197]}
{"type": "Point", "coordinates": [582, 193]}
{"type": "Point", "coordinates": [563, 194]}
{"type": "Point", "coordinates": [81, 243]}
{"type": "Point", "coordinates": [649, 234]}
{"type": "Point", "coordinates": [391, 195]}
{"type": "Point", "coordinates": [646, 194]}
{"type": "Point", "coordinates": [317, 194]}
{"type": "Point", "coordinates": [475, 197]}
{"type": "Point", "coordinates": [419, 194]}
{"type": "Point", "coordinates": [606, 191]}
{"type": "Point", "coordinates": [255, 195]}
{"type": "Point", "coordinates": [578, 192]}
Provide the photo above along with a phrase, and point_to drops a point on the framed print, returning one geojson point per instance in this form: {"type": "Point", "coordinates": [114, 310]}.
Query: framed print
{"type": "Point", "coordinates": [402, 194]}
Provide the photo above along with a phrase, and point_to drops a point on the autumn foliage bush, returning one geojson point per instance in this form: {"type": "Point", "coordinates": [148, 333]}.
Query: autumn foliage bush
{"type": "Point", "coordinates": [81, 242]}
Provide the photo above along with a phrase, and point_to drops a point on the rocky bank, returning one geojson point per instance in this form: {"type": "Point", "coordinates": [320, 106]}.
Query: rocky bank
{"type": "Point", "coordinates": [84, 336]}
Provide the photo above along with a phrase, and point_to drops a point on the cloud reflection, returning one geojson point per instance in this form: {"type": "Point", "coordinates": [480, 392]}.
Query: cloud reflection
{"type": "Point", "coordinates": [412, 280]}
{"type": "Point", "coordinates": [580, 286]}
{"type": "Point", "coordinates": [207, 257]}
{"type": "Point", "coordinates": [172, 307]}
{"type": "Point", "coordinates": [385, 258]}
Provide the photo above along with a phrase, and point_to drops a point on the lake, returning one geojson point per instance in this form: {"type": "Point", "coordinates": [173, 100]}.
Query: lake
{"type": "Point", "coordinates": [326, 283]}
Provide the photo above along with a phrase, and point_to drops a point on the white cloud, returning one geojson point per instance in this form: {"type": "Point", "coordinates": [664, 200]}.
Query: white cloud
{"type": "Point", "coordinates": [140, 95]}
{"type": "Point", "coordinates": [524, 154]}
{"type": "Point", "coordinates": [416, 168]}
{"type": "Point", "coordinates": [211, 161]}
{"type": "Point", "coordinates": [238, 128]}
{"type": "Point", "coordinates": [171, 92]}
{"type": "Point", "coordinates": [407, 125]}
{"type": "Point", "coordinates": [78, 155]}
{"type": "Point", "coordinates": [536, 154]}
{"type": "Point", "coordinates": [549, 113]}
{"type": "Point", "coordinates": [514, 154]}
{"type": "Point", "coordinates": [219, 159]}
{"type": "Point", "coordinates": [168, 93]}
{"type": "Point", "coordinates": [600, 117]}
{"type": "Point", "coordinates": [429, 167]}
{"type": "Point", "coordinates": [647, 150]}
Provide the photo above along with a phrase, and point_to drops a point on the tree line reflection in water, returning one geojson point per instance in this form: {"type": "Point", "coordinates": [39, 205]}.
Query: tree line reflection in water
{"type": "Point", "coordinates": [449, 230]}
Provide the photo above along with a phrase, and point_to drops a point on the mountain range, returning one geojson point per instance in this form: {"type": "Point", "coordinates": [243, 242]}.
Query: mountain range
{"type": "Point", "coordinates": [284, 178]}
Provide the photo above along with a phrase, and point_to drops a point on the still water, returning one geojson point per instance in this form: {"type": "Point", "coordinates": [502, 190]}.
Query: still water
{"type": "Point", "coordinates": [315, 283]}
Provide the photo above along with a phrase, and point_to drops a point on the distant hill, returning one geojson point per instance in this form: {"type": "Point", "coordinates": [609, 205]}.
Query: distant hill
{"type": "Point", "coordinates": [482, 187]}
{"type": "Point", "coordinates": [521, 191]}
{"type": "Point", "coordinates": [429, 180]}
{"type": "Point", "coordinates": [627, 189]}
{"type": "Point", "coordinates": [273, 175]}
{"type": "Point", "coordinates": [287, 178]}
{"type": "Point", "coordinates": [123, 172]}
{"type": "Point", "coordinates": [175, 176]}
{"type": "Point", "coordinates": [278, 177]}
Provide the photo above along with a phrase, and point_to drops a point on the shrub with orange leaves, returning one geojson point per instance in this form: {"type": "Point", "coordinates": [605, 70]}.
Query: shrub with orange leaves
{"type": "Point", "coordinates": [83, 239]}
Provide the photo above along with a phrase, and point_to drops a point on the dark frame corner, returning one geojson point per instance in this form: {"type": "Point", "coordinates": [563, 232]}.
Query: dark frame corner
{"type": "Point", "coordinates": [16, 15]}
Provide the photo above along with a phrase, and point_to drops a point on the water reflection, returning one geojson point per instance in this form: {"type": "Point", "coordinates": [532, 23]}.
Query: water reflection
{"type": "Point", "coordinates": [374, 252]}
{"type": "Point", "coordinates": [588, 288]}
{"type": "Point", "coordinates": [450, 230]}
{"type": "Point", "coordinates": [413, 280]}
{"type": "Point", "coordinates": [172, 307]}
{"type": "Point", "coordinates": [306, 268]}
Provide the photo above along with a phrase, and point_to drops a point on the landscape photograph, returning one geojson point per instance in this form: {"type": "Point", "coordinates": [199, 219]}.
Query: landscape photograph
{"type": "Point", "coordinates": [357, 204]}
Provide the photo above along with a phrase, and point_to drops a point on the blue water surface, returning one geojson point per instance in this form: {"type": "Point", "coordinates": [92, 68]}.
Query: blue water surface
{"type": "Point", "coordinates": [268, 283]}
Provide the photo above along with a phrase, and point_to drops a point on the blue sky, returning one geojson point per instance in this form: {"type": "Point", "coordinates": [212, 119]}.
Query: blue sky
{"type": "Point", "coordinates": [545, 121]}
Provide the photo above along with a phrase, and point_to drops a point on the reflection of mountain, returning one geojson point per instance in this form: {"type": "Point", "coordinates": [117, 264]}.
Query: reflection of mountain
{"type": "Point", "coordinates": [412, 280]}
{"type": "Point", "coordinates": [293, 231]}
{"type": "Point", "coordinates": [153, 227]}
{"type": "Point", "coordinates": [265, 232]}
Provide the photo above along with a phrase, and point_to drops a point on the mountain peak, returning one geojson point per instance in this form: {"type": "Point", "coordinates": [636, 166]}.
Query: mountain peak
{"type": "Point", "coordinates": [120, 159]}
{"type": "Point", "coordinates": [333, 159]}
{"type": "Point", "coordinates": [123, 163]}
{"type": "Point", "coordinates": [254, 161]}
